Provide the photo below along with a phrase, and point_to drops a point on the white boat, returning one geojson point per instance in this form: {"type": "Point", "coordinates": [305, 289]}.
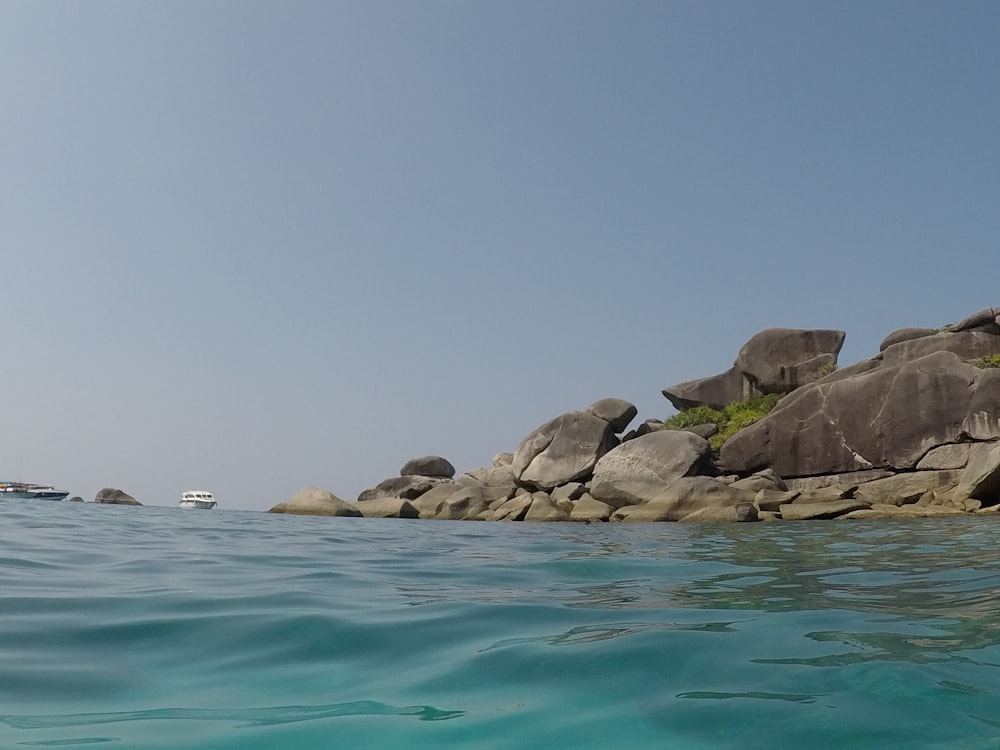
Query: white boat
{"type": "Point", "coordinates": [25, 491]}
{"type": "Point", "coordinates": [197, 499]}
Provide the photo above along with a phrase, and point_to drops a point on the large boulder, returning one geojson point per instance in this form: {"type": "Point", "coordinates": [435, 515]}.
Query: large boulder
{"type": "Point", "coordinates": [489, 476]}
{"type": "Point", "coordinates": [741, 513]}
{"type": "Point", "coordinates": [779, 360]}
{"type": "Point", "coordinates": [428, 466]}
{"type": "Point", "coordinates": [465, 505]}
{"type": "Point", "coordinates": [848, 481]}
{"type": "Point", "coordinates": [388, 507]}
{"type": "Point", "coordinates": [408, 487]}
{"type": "Point", "coordinates": [543, 509]}
{"type": "Point", "coordinates": [715, 391]}
{"type": "Point", "coordinates": [641, 469]}
{"type": "Point", "coordinates": [430, 503]}
{"type": "Point", "coordinates": [905, 334]}
{"type": "Point", "coordinates": [514, 509]}
{"type": "Point", "coordinates": [456, 502]}
{"type": "Point", "coordinates": [617, 412]}
{"type": "Point", "coordinates": [966, 344]}
{"type": "Point", "coordinates": [112, 496]}
{"type": "Point", "coordinates": [314, 501]}
{"type": "Point", "coordinates": [951, 456]}
{"type": "Point", "coordinates": [987, 319]}
{"type": "Point", "coordinates": [562, 450]}
{"type": "Point", "coordinates": [685, 497]}
{"type": "Point", "coordinates": [775, 360]}
{"type": "Point", "coordinates": [982, 422]}
{"type": "Point", "coordinates": [586, 508]}
{"type": "Point", "coordinates": [905, 488]}
{"type": "Point", "coordinates": [808, 511]}
{"type": "Point", "coordinates": [981, 478]}
{"type": "Point", "coordinates": [901, 511]}
{"type": "Point", "coordinates": [887, 417]}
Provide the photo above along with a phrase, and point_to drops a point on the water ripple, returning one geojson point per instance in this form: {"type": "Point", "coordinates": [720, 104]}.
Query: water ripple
{"type": "Point", "coordinates": [240, 717]}
{"type": "Point", "coordinates": [660, 635]}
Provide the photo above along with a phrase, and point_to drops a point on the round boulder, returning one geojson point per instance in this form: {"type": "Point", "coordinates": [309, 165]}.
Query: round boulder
{"type": "Point", "coordinates": [428, 466]}
{"type": "Point", "coordinates": [314, 501]}
{"type": "Point", "coordinates": [641, 469]}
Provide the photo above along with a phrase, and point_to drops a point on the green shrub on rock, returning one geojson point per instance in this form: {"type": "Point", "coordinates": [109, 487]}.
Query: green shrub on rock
{"type": "Point", "coordinates": [694, 417]}
{"type": "Point", "coordinates": [987, 362]}
{"type": "Point", "coordinates": [730, 419]}
{"type": "Point", "coordinates": [741, 414]}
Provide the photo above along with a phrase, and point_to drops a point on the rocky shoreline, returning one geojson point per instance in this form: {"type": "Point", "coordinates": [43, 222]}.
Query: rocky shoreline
{"type": "Point", "coordinates": [913, 431]}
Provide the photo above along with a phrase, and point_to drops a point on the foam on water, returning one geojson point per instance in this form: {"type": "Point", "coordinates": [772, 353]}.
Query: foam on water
{"type": "Point", "coordinates": [163, 628]}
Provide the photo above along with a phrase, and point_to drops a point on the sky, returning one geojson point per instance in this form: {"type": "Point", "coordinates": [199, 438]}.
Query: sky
{"type": "Point", "coordinates": [251, 247]}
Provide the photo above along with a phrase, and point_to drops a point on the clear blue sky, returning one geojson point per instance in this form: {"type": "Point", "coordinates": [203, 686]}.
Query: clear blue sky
{"type": "Point", "coordinates": [254, 246]}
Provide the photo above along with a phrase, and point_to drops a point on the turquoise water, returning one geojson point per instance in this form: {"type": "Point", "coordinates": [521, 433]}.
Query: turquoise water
{"type": "Point", "coordinates": [161, 628]}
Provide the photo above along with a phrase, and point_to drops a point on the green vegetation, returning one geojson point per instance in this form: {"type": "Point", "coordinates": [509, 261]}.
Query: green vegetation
{"type": "Point", "coordinates": [827, 369]}
{"type": "Point", "coordinates": [730, 419]}
{"type": "Point", "coordinates": [694, 417]}
{"type": "Point", "coordinates": [985, 363]}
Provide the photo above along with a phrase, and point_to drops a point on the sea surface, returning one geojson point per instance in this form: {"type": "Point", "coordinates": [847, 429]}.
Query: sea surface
{"type": "Point", "coordinates": [126, 627]}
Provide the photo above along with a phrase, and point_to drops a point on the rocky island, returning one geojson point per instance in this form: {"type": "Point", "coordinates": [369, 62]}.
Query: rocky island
{"type": "Point", "coordinates": [784, 434]}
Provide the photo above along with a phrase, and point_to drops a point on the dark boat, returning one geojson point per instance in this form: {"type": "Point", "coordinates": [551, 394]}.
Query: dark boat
{"type": "Point", "coordinates": [25, 491]}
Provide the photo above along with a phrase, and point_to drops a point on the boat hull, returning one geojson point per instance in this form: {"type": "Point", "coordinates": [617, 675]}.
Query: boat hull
{"type": "Point", "coordinates": [18, 491]}
{"type": "Point", "coordinates": [199, 504]}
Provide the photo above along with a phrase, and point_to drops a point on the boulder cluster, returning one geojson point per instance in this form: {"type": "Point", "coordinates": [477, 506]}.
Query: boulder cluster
{"type": "Point", "coordinates": [913, 431]}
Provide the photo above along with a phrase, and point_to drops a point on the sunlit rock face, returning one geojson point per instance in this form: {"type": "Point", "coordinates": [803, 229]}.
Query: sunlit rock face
{"type": "Point", "coordinates": [562, 450]}
{"type": "Point", "coordinates": [887, 417]}
{"type": "Point", "coordinates": [775, 360]}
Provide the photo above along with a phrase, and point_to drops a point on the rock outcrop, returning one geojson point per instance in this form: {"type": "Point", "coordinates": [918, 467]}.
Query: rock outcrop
{"type": "Point", "coordinates": [775, 360]}
{"type": "Point", "coordinates": [406, 487]}
{"type": "Point", "coordinates": [388, 507]}
{"type": "Point", "coordinates": [112, 496]}
{"type": "Point", "coordinates": [890, 417]}
{"type": "Point", "coordinates": [912, 432]}
{"type": "Point", "coordinates": [314, 501]}
{"type": "Point", "coordinates": [685, 497]}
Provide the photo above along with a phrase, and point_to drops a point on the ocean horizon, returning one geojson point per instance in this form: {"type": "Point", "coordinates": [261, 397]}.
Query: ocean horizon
{"type": "Point", "coordinates": [159, 627]}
